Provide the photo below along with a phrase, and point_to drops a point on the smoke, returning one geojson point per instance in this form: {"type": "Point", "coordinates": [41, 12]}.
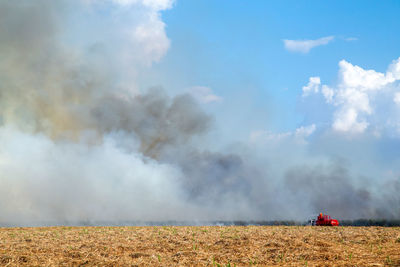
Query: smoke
{"type": "Point", "coordinates": [157, 121]}
{"type": "Point", "coordinates": [76, 146]}
{"type": "Point", "coordinates": [80, 142]}
{"type": "Point", "coordinates": [46, 181]}
{"type": "Point", "coordinates": [330, 189]}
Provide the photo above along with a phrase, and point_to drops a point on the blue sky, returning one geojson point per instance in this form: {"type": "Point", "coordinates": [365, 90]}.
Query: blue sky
{"type": "Point", "coordinates": [236, 48]}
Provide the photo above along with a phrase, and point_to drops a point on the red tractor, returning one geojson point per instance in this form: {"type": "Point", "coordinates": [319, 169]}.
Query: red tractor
{"type": "Point", "coordinates": [325, 220]}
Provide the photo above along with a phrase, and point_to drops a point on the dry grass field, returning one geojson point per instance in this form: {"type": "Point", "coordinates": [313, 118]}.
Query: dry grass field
{"type": "Point", "coordinates": [200, 246]}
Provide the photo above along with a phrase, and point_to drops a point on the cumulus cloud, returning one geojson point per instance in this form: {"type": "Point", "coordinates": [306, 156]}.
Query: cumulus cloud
{"type": "Point", "coordinates": [353, 76]}
{"type": "Point", "coordinates": [396, 98]}
{"type": "Point", "coordinates": [328, 93]}
{"type": "Point", "coordinates": [304, 46]}
{"type": "Point", "coordinates": [352, 96]}
{"type": "Point", "coordinates": [312, 86]}
{"type": "Point", "coordinates": [204, 94]}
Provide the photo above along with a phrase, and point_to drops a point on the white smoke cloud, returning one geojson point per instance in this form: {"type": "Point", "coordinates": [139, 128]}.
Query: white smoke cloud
{"type": "Point", "coordinates": [56, 162]}
{"type": "Point", "coordinates": [148, 34]}
{"type": "Point", "coordinates": [58, 182]}
{"type": "Point", "coordinates": [77, 147]}
{"type": "Point", "coordinates": [135, 27]}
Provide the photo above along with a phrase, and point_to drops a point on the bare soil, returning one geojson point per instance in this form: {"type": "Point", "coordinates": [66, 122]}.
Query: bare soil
{"type": "Point", "coordinates": [200, 246]}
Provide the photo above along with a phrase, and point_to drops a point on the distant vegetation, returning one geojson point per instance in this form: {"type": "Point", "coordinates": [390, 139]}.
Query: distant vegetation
{"type": "Point", "coordinates": [358, 222]}
{"type": "Point", "coordinates": [370, 222]}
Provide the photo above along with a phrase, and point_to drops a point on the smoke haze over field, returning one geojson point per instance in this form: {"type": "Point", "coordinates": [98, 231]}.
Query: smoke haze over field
{"type": "Point", "coordinates": [80, 142]}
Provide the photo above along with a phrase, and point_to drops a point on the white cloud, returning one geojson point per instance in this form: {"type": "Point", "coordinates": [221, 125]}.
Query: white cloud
{"type": "Point", "coordinates": [394, 69]}
{"type": "Point", "coordinates": [204, 94]}
{"type": "Point", "coordinates": [352, 76]}
{"type": "Point", "coordinates": [345, 120]}
{"type": "Point", "coordinates": [304, 46]}
{"type": "Point", "coordinates": [354, 92]}
{"type": "Point", "coordinates": [328, 93]}
{"type": "Point", "coordinates": [312, 86]}
{"type": "Point", "coordinates": [396, 98]}
{"type": "Point", "coordinates": [155, 4]}
{"type": "Point", "coordinates": [305, 131]}
{"type": "Point", "coordinates": [352, 96]}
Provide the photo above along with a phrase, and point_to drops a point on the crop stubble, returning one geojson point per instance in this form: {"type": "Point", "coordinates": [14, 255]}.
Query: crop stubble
{"type": "Point", "coordinates": [202, 245]}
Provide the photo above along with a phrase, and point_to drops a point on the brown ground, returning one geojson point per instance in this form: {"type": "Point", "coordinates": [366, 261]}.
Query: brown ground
{"type": "Point", "coordinates": [192, 246]}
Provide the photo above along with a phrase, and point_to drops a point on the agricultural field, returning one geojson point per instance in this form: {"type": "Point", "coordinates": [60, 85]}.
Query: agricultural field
{"type": "Point", "coordinates": [200, 246]}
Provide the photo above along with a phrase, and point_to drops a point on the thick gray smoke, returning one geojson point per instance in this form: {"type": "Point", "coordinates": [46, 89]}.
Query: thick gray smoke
{"type": "Point", "coordinates": [78, 145]}
{"type": "Point", "coordinates": [74, 146]}
{"type": "Point", "coordinates": [330, 189]}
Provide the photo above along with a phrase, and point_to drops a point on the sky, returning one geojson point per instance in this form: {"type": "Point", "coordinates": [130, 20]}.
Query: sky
{"type": "Point", "coordinates": [237, 47]}
{"type": "Point", "coordinates": [154, 110]}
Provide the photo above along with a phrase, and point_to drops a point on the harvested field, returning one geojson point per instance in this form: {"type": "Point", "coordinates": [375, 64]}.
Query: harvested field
{"type": "Point", "coordinates": [205, 246]}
